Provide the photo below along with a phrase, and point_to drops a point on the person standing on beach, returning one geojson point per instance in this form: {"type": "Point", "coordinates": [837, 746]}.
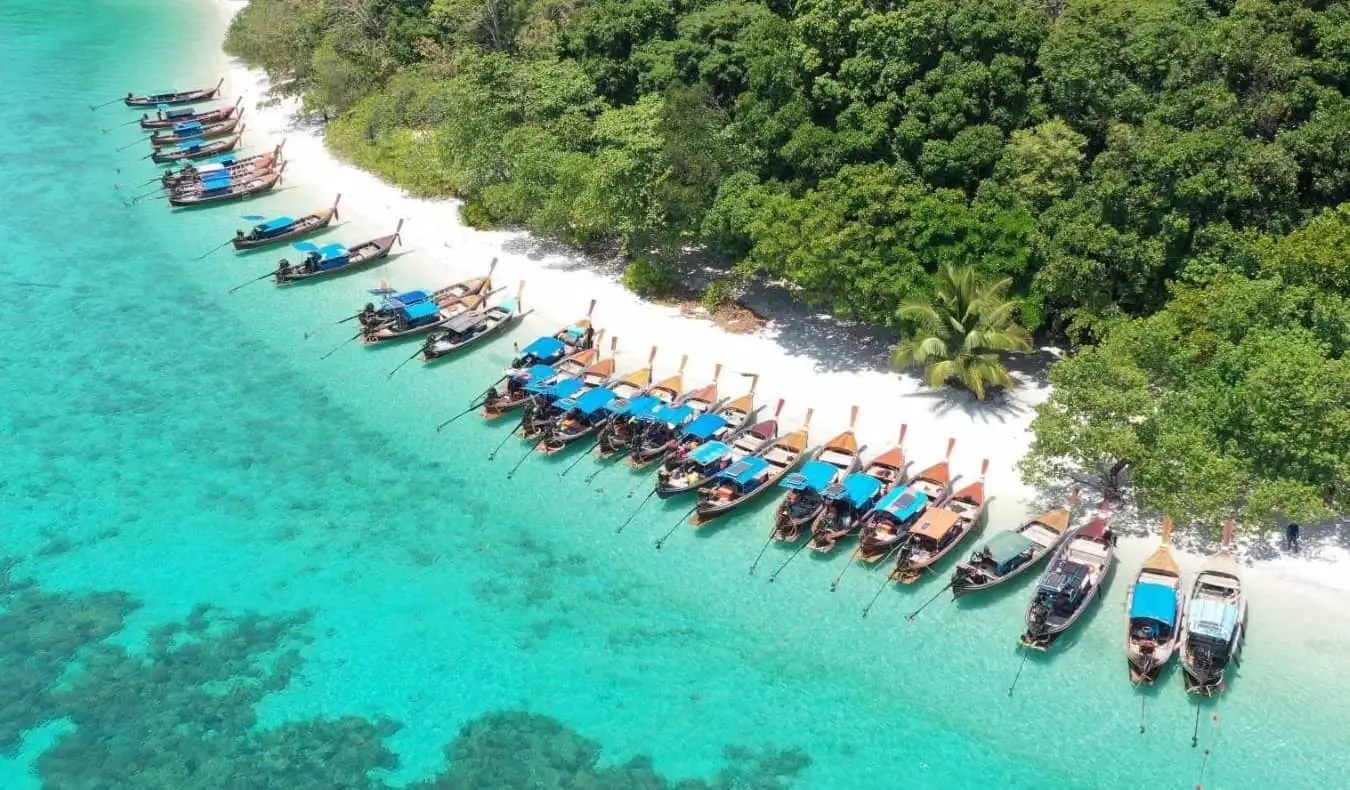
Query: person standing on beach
{"type": "Point", "coordinates": [1291, 536]}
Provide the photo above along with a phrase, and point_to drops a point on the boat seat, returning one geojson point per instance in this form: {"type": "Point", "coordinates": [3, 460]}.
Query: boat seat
{"type": "Point", "coordinates": [1148, 577]}
{"type": "Point", "coordinates": [1041, 534]}
{"type": "Point", "coordinates": [779, 456]}
{"type": "Point", "coordinates": [836, 458]}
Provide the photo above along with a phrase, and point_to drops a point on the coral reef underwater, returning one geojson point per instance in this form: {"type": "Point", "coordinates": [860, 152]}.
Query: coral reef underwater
{"type": "Point", "coordinates": [181, 712]}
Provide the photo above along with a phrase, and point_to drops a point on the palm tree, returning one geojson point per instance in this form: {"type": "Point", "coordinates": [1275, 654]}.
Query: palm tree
{"type": "Point", "coordinates": [961, 331]}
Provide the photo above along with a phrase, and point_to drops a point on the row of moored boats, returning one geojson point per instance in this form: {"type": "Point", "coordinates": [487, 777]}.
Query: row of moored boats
{"type": "Point", "coordinates": [720, 450]}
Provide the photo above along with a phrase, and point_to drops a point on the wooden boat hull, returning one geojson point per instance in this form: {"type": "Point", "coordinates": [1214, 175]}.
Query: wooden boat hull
{"type": "Point", "coordinates": [210, 116]}
{"type": "Point", "coordinates": [707, 510]}
{"type": "Point", "coordinates": [255, 186]}
{"type": "Point", "coordinates": [559, 441]}
{"type": "Point", "coordinates": [312, 223]}
{"type": "Point", "coordinates": [207, 132]}
{"type": "Point", "coordinates": [172, 99]}
{"type": "Point", "coordinates": [214, 148]}
{"type": "Point", "coordinates": [973, 585]}
{"type": "Point", "coordinates": [498, 320]}
{"type": "Point", "coordinates": [247, 166]}
{"type": "Point", "coordinates": [1043, 637]}
{"type": "Point", "coordinates": [361, 255]}
{"type": "Point", "coordinates": [908, 571]}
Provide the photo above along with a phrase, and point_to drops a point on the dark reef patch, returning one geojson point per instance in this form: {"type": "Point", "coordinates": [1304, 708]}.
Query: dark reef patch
{"type": "Point", "coordinates": [181, 712]}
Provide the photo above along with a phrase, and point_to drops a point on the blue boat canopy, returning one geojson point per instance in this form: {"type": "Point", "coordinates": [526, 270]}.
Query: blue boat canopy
{"type": "Point", "coordinates": [536, 374]}
{"type": "Point", "coordinates": [420, 310]}
{"type": "Point", "coordinates": [708, 452]}
{"type": "Point", "coordinates": [274, 225]}
{"type": "Point", "coordinates": [332, 251]}
{"type": "Point", "coordinates": [575, 332]}
{"type": "Point", "coordinates": [544, 348]}
{"type": "Point", "coordinates": [674, 415]}
{"type": "Point", "coordinates": [213, 181]}
{"type": "Point", "coordinates": [406, 298]}
{"type": "Point", "coordinates": [190, 145]}
{"type": "Point", "coordinates": [705, 426]}
{"type": "Point", "coordinates": [190, 126]}
{"type": "Point", "coordinates": [558, 389]}
{"type": "Point", "coordinates": [176, 112]}
{"type": "Point", "coordinates": [903, 502]}
{"type": "Point", "coordinates": [594, 400]}
{"type": "Point", "coordinates": [226, 160]}
{"type": "Point", "coordinates": [744, 470]}
{"type": "Point", "coordinates": [858, 489]}
{"type": "Point", "coordinates": [1214, 619]}
{"type": "Point", "coordinates": [642, 405]}
{"type": "Point", "coordinates": [1154, 602]}
{"type": "Point", "coordinates": [815, 476]}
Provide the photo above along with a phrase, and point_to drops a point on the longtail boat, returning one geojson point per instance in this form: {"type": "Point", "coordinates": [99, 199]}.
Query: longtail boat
{"type": "Point", "coordinates": [1156, 613]}
{"type": "Point", "coordinates": [197, 149]}
{"type": "Point", "coordinates": [334, 258]}
{"type": "Point", "coordinates": [826, 467]}
{"type": "Point", "coordinates": [689, 470]}
{"type": "Point", "coordinates": [415, 320]}
{"type": "Point", "coordinates": [631, 416]}
{"type": "Point", "coordinates": [550, 399]}
{"type": "Point", "coordinates": [1216, 621]}
{"type": "Point", "coordinates": [167, 117]}
{"type": "Point", "coordinates": [233, 163]}
{"type": "Point", "coordinates": [402, 315]}
{"type": "Point", "coordinates": [848, 503]}
{"type": "Point", "coordinates": [666, 427]}
{"type": "Point", "coordinates": [888, 524]}
{"type": "Point", "coordinates": [510, 391]}
{"type": "Point", "coordinates": [940, 530]}
{"type": "Point", "coordinates": [583, 415]}
{"type": "Point", "coordinates": [1012, 552]}
{"type": "Point", "coordinates": [222, 188]}
{"type": "Point", "coordinates": [195, 130]}
{"type": "Point", "coordinates": [283, 229]}
{"type": "Point", "coordinates": [1076, 575]}
{"type": "Point", "coordinates": [172, 98]}
{"type": "Point", "coordinates": [474, 327]}
{"type": "Point", "coordinates": [577, 336]}
{"type": "Point", "coordinates": [752, 475]}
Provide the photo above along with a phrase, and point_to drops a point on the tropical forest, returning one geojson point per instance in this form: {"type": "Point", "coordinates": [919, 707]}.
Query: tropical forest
{"type": "Point", "coordinates": [1161, 188]}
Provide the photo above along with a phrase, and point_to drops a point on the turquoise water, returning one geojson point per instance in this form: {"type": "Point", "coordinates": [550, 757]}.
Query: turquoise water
{"type": "Point", "coordinates": [235, 563]}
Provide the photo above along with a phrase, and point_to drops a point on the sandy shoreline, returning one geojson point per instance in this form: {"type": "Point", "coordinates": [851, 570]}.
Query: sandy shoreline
{"type": "Point", "coordinates": [798, 360]}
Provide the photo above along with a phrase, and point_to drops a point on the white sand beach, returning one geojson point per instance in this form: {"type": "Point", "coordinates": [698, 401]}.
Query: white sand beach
{"type": "Point", "coordinates": [809, 360]}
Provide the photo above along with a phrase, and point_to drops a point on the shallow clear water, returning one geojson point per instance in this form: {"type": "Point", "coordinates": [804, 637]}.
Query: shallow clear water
{"type": "Point", "coordinates": [182, 447]}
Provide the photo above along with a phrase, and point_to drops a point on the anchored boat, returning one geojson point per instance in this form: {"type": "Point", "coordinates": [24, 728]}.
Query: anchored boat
{"type": "Point", "coordinates": [1073, 581]}
{"type": "Point", "coordinates": [1156, 614]}
{"type": "Point", "coordinates": [1216, 621]}
{"type": "Point", "coordinates": [222, 188]}
{"type": "Point", "coordinates": [941, 530]}
{"type": "Point", "coordinates": [826, 467]}
{"type": "Point", "coordinates": [888, 523]}
{"type": "Point", "coordinates": [195, 130]}
{"type": "Point", "coordinates": [236, 165]}
{"type": "Point", "coordinates": [1012, 552]}
{"type": "Point", "coordinates": [172, 98]}
{"type": "Point", "coordinates": [334, 258]}
{"type": "Point", "coordinates": [473, 327]}
{"type": "Point", "coordinates": [849, 502]}
{"type": "Point", "coordinates": [278, 230]}
{"type": "Point", "coordinates": [197, 149]}
{"type": "Point", "coordinates": [690, 471]}
{"type": "Point", "coordinates": [752, 475]}
{"type": "Point", "coordinates": [166, 117]}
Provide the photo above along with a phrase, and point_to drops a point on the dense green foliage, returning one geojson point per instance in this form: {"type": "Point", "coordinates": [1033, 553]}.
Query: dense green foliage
{"type": "Point", "coordinates": [960, 332]}
{"type": "Point", "coordinates": [1132, 167]}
